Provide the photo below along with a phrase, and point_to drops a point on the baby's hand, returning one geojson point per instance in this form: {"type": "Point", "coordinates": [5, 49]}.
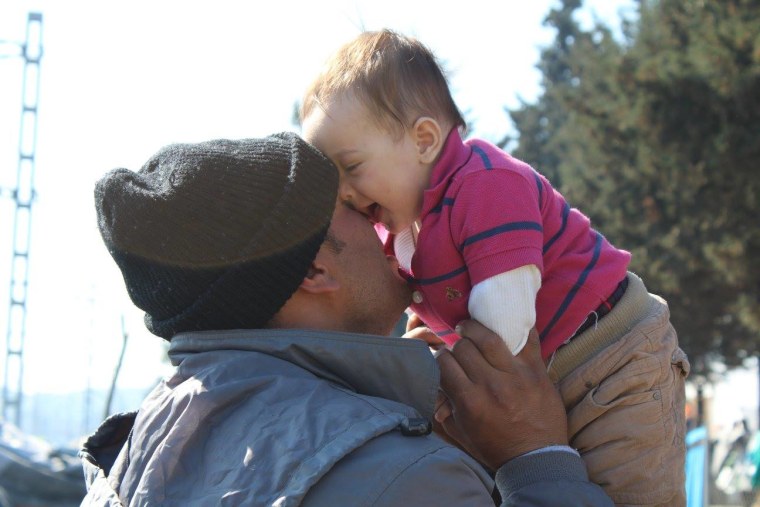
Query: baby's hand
{"type": "Point", "coordinates": [413, 321]}
{"type": "Point", "coordinates": [415, 328]}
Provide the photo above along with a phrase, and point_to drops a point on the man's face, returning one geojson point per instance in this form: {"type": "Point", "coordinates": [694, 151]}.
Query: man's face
{"type": "Point", "coordinates": [373, 294]}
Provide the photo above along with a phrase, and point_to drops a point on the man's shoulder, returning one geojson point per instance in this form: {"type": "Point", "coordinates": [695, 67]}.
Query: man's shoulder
{"type": "Point", "coordinates": [394, 469]}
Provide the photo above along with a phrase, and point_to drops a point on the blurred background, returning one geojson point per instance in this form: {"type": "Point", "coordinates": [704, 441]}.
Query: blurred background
{"type": "Point", "coordinates": [645, 114]}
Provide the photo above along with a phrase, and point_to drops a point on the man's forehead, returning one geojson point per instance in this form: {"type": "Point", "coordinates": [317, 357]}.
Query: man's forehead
{"type": "Point", "coordinates": [343, 207]}
{"type": "Point", "coordinates": [346, 218]}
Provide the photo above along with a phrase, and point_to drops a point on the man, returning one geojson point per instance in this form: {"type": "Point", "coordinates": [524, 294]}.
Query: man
{"type": "Point", "coordinates": [286, 391]}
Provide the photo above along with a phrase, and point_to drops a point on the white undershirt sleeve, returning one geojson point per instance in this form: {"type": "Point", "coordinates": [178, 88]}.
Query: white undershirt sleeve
{"type": "Point", "coordinates": [506, 304]}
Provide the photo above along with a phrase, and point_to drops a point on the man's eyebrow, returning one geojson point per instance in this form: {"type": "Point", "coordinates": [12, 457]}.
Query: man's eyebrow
{"type": "Point", "coordinates": [333, 243]}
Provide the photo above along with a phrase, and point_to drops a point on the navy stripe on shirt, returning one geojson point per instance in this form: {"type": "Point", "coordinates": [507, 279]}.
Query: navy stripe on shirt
{"type": "Point", "coordinates": [447, 201]}
{"type": "Point", "coordinates": [486, 161]}
{"type": "Point", "coordinates": [540, 190]}
{"type": "Point", "coordinates": [565, 213]}
{"type": "Point", "coordinates": [436, 279]}
{"type": "Point", "coordinates": [500, 229]}
{"type": "Point", "coordinates": [574, 290]}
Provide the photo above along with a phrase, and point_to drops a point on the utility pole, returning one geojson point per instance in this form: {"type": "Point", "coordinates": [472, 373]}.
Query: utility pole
{"type": "Point", "coordinates": [22, 195]}
{"type": "Point", "coordinates": [112, 389]}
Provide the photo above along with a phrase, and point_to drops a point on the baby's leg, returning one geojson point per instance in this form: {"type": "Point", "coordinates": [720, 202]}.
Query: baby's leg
{"type": "Point", "coordinates": [625, 410]}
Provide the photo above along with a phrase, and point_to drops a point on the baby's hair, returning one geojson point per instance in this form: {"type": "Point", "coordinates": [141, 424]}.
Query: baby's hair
{"type": "Point", "coordinates": [396, 77]}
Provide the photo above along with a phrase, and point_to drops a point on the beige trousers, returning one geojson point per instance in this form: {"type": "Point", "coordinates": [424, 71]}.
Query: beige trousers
{"type": "Point", "coordinates": [625, 400]}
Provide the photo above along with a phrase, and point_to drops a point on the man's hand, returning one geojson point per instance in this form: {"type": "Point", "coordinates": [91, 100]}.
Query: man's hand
{"type": "Point", "coordinates": [495, 405]}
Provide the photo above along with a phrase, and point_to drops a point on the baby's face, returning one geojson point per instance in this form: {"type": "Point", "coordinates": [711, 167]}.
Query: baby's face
{"type": "Point", "coordinates": [381, 176]}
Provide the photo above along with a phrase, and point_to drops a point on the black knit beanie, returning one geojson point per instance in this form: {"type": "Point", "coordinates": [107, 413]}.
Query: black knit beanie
{"type": "Point", "coordinates": [217, 235]}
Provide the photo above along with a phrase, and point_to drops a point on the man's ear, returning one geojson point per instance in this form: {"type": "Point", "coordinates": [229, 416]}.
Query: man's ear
{"type": "Point", "coordinates": [319, 280]}
{"type": "Point", "coordinates": [429, 138]}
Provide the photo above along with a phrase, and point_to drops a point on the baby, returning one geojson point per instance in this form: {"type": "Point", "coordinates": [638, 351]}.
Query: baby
{"type": "Point", "coordinates": [480, 234]}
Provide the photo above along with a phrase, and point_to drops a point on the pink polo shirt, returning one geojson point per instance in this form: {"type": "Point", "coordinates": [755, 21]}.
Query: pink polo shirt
{"type": "Point", "coordinates": [486, 213]}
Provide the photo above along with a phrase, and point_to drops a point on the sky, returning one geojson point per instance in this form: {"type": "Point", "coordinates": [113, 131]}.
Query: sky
{"type": "Point", "coordinates": [119, 80]}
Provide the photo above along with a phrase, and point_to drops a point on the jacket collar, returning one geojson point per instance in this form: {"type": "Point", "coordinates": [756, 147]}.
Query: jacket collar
{"type": "Point", "coordinates": [398, 369]}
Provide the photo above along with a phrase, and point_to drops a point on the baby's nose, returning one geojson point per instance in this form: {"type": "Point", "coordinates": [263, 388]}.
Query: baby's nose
{"type": "Point", "coordinates": [345, 192]}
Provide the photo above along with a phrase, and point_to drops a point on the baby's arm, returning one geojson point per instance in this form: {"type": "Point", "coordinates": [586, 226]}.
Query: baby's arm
{"type": "Point", "coordinates": [506, 304]}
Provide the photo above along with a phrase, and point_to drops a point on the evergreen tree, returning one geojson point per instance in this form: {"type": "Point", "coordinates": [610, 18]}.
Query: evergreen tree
{"type": "Point", "coordinates": [657, 139]}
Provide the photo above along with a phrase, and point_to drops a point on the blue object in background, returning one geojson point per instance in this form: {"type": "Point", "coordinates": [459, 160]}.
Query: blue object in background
{"type": "Point", "coordinates": [696, 467]}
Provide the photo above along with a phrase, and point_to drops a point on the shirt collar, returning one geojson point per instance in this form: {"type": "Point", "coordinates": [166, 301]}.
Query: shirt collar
{"type": "Point", "coordinates": [398, 369]}
{"type": "Point", "coordinates": [454, 156]}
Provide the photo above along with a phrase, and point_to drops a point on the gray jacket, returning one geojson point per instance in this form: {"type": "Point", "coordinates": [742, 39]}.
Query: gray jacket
{"type": "Point", "coordinates": [293, 417]}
